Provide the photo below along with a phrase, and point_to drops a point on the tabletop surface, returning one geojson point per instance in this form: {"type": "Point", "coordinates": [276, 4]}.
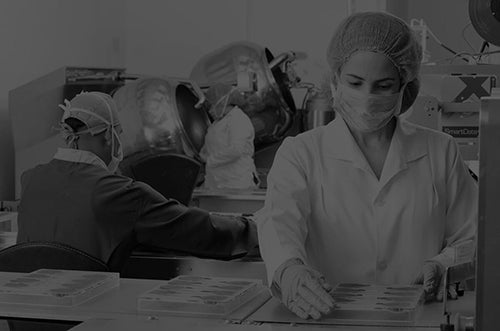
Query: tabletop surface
{"type": "Point", "coordinates": [430, 316]}
{"type": "Point", "coordinates": [145, 324]}
{"type": "Point", "coordinates": [117, 309]}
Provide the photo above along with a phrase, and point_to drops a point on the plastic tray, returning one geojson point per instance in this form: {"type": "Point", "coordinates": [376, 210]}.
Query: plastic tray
{"type": "Point", "coordinates": [56, 287]}
{"type": "Point", "coordinates": [200, 295]}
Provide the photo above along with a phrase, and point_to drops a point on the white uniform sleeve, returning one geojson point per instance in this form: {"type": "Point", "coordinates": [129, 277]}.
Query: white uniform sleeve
{"type": "Point", "coordinates": [461, 208]}
{"type": "Point", "coordinates": [282, 223]}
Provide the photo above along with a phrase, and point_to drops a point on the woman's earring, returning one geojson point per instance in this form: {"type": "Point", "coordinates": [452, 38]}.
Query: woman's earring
{"type": "Point", "coordinates": [333, 91]}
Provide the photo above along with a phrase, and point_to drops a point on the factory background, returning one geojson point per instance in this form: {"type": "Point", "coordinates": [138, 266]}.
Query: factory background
{"type": "Point", "coordinates": [171, 201]}
{"type": "Point", "coordinates": [168, 37]}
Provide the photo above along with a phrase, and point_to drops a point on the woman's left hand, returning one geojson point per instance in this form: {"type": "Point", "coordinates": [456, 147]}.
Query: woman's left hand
{"type": "Point", "coordinates": [432, 278]}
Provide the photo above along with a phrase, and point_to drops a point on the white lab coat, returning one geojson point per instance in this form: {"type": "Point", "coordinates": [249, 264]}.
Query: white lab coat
{"type": "Point", "coordinates": [325, 206]}
{"type": "Point", "coordinates": [228, 151]}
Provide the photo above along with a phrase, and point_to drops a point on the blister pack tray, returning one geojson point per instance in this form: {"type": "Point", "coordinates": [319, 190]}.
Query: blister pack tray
{"type": "Point", "coordinates": [56, 287]}
{"type": "Point", "coordinates": [365, 302]}
{"type": "Point", "coordinates": [200, 295]}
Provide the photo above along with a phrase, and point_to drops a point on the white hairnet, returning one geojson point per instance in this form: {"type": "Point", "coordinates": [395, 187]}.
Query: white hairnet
{"type": "Point", "coordinates": [381, 33]}
{"type": "Point", "coordinates": [97, 110]}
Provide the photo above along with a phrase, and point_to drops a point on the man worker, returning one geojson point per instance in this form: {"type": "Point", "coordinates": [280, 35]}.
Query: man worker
{"type": "Point", "coordinates": [78, 199]}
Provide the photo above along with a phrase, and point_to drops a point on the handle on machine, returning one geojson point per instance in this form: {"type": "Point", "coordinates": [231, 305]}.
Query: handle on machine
{"type": "Point", "coordinates": [197, 90]}
{"type": "Point", "coordinates": [199, 93]}
{"type": "Point", "coordinates": [287, 56]}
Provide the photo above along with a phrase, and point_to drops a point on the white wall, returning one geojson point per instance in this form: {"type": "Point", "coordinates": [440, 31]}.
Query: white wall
{"type": "Point", "coordinates": [168, 37]}
{"type": "Point", "coordinates": [306, 26]}
{"type": "Point", "coordinates": [40, 36]}
{"type": "Point", "coordinates": [354, 6]}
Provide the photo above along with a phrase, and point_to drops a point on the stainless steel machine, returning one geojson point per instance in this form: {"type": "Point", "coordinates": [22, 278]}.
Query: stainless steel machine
{"type": "Point", "coordinates": [488, 243]}
{"type": "Point", "coordinates": [157, 114]}
{"type": "Point", "coordinates": [160, 115]}
{"type": "Point", "coordinates": [265, 88]}
{"type": "Point", "coordinates": [449, 101]}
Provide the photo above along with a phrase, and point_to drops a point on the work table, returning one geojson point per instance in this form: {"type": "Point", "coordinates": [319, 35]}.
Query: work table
{"type": "Point", "coordinates": [117, 309]}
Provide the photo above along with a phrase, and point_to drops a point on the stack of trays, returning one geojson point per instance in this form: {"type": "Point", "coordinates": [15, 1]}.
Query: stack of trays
{"type": "Point", "coordinates": [56, 287]}
{"type": "Point", "coordinates": [200, 295]}
{"type": "Point", "coordinates": [364, 302]}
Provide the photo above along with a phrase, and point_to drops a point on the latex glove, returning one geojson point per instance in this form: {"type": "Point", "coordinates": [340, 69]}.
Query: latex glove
{"type": "Point", "coordinates": [432, 278]}
{"type": "Point", "coordinates": [305, 292]}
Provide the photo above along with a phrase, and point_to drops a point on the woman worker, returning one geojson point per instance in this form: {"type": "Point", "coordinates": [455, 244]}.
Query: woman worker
{"type": "Point", "coordinates": [370, 197]}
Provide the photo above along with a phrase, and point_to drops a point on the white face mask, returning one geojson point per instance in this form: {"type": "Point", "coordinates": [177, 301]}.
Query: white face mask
{"type": "Point", "coordinates": [218, 110]}
{"type": "Point", "coordinates": [365, 111]}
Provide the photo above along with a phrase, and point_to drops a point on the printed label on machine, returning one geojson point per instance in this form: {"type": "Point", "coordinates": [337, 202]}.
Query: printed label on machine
{"type": "Point", "coordinates": [462, 131]}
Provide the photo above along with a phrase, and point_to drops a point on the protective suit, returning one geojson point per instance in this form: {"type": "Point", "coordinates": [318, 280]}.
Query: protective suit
{"type": "Point", "coordinates": [75, 201]}
{"type": "Point", "coordinates": [325, 206]}
{"type": "Point", "coordinates": [228, 149]}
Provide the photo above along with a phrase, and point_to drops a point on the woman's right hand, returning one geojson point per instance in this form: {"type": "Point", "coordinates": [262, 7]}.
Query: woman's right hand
{"type": "Point", "coordinates": [305, 292]}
